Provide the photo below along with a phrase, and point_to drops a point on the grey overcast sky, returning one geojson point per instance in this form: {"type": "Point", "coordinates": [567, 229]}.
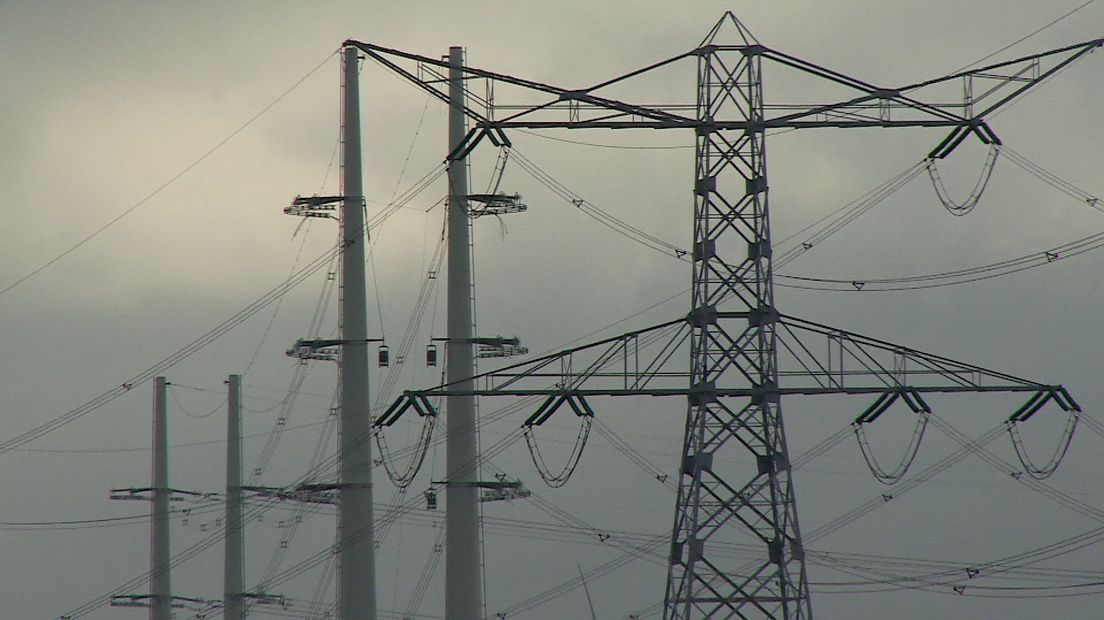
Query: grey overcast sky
{"type": "Point", "coordinates": [104, 103]}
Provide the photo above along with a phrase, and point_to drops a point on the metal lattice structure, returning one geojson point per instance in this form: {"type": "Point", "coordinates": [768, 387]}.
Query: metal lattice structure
{"type": "Point", "coordinates": [732, 262]}
{"type": "Point", "coordinates": [734, 332]}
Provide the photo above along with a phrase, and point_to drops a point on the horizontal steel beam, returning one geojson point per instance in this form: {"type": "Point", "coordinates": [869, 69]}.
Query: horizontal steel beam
{"type": "Point", "coordinates": [739, 392]}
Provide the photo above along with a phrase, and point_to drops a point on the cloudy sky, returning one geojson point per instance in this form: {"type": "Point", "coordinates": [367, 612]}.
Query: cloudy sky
{"type": "Point", "coordinates": [199, 122]}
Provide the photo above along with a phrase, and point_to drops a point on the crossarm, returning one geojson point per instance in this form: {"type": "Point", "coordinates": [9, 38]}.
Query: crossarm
{"type": "Point", "coordinates": [814, 360]}
{"type": "Point", "coordinates": [872, 106]}
{"type": "Point", "coordinates": [383, 54]}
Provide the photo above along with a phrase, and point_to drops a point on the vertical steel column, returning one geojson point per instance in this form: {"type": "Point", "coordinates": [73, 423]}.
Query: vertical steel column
{"type": "Point", "coordinates": [732, 264]}
{"type": "Point", "coordinates": [356, 588]}
{"type": "Point", "coordinates": [160, 576]}
{"type": "Point", "coordinates": [463, 590]}
{"type": "Point", "coordinates": [233, 581]}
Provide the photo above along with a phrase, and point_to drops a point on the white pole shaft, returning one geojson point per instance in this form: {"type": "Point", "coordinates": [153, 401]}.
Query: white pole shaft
{"type": "Point", "coordinates": [160, 578]}
{"type": "Point", "coordinates": [463, 589]}
{"type": "Point", "coordinates": [356, 588]}
{"type": "Point", "coordinates": [233, 577]}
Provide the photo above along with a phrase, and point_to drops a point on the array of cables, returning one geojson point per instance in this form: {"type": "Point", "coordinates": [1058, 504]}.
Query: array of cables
{"type": "Point", "coordinates": [386, 390]}
{"type": "Point", "coordinates": [314, 266]}
{"type": "Point", "coordinates": [873, 575]}
{"type": "Point", "coordinates": [1052, 179]}
{"type": "Point", "coordinates": [835, 221]}
{"type": "Point", "coordinates": [1038, 486]}
{"type": "Point", "coordinates": [323, 261]}
{"type": "Point", "coordinates": [910, 484]}
{"type": "Point", "coordinates": [948, 278]}
{"type": "Point", "coordinates": [633, 455]}
{"type": "Point", "coordinates": [302, 510]}
{"type": "Point", "coordinates": [966, 275]}
{"type": "Point", "coordinates": [829, 225]}
{"type": "Point", "coordinates": [425, 578]}
{"type": "Point", "coordinates": [588, 208]}
{"type": "Point", "coordinates": [299, 376]}
{"type": "Point", "coordinates": [880, 573]}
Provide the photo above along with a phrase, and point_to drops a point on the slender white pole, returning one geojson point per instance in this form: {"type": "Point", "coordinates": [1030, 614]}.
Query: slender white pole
{"type": "Point", "coordinates": [233, 577]}
{"type": "Point", "coordinates": [463, 590]}
{"type": "Point", "coordinates": [356, 565]}
{"type": "Point", "coordinates": [160, 578]}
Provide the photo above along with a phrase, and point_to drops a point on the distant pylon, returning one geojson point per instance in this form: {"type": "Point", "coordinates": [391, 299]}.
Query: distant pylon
{"type": "Point", "coordinates": [233, 607]}
{"type": "Point", "coordinates": [160, 576]}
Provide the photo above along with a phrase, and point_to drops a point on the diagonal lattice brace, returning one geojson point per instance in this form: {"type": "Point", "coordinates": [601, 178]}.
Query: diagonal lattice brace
{"type": "Point", "coordinates": [824, 359]}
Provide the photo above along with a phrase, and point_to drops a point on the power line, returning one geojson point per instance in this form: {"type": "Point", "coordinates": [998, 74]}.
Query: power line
{"type": "Point", "coordinates": [1025, 37]}
{"type": "Point", "coordinates": [49, 263]}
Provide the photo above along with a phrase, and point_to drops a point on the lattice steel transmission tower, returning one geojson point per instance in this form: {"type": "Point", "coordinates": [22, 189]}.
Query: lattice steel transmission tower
{"type": "Point", "coordinates": [736, 333]}
{"type": "Point", "coordinates": [732, 260]}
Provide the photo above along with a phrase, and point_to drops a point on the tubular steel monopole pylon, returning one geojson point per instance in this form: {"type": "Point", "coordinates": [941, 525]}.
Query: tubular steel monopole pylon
{"type": "Point", "coordinates": [233, 577]}
{"type": "Point", "coordinates": [732, 261]}
{"type": "Point", "coordinates": [732, 391]}
{"type": "Point", "coordinates": [161, 597]}
{"type": "Point", "coordinates": [463, 592]}
{"type": "Point", "coordinates": [356, 587]}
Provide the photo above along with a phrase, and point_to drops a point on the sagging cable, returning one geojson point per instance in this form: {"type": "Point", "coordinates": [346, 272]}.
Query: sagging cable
{"type": "Point", "coordinates": [962, 208]}
{"type": "Point", "coordinates": [883, 403]}
{"type": "Point", "coordinates": [428, 413]}
{"type": "Point", "coordinates": [1032, 406]}
{"type": "Point", "coordinates": [582, 410]}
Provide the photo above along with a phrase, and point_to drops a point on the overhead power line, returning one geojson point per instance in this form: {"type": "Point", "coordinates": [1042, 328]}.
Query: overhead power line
{"type": "Point", "coordinates": [131, 209]}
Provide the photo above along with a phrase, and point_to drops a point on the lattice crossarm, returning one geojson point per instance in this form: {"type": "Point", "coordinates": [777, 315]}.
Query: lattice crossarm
{"type": "Point", "coordinates": [1021, 74]}
{"type": "Point", "coordinates": [638, 363]}
{"type": "Point", "coordinates": [913, 105]}
{"type": "Point", "coordinates": [562, 98]}
{"type": "Point", "coordinates": [823, 360]}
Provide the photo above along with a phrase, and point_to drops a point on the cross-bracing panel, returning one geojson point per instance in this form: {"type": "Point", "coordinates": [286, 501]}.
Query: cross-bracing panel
{"type": "Point", "coordinates": [718, 502]}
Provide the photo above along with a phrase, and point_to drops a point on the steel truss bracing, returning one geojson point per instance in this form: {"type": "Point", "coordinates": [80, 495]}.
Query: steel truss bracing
{"type": "Point", "coordinates": [744, 354]}
{"type": "Point", "coordinates": [732, 262]}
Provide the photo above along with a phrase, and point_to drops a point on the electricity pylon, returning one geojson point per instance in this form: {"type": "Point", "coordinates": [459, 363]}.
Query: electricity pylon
{"type": "Point", "coordinates": [160, 599]}
{"type": "Point", "coordinates": [736, 334]}
{"type": "Point", "coordinates": [355, 547]}
{"type": "Point", "coordinates": [356, 561]}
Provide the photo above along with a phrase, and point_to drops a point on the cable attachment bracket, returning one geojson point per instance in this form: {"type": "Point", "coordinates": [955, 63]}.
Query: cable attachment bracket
{"type": "Point", "coordinates": [502, 489]}
{"type": "Point", "coordinates": [314, 206]}
{"type": "Point", "coordinates": [498, 203]}
{"type": "Point", "coordinates": [492, 346]}
{"type": "Point", "coordinates": [321, 349]}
